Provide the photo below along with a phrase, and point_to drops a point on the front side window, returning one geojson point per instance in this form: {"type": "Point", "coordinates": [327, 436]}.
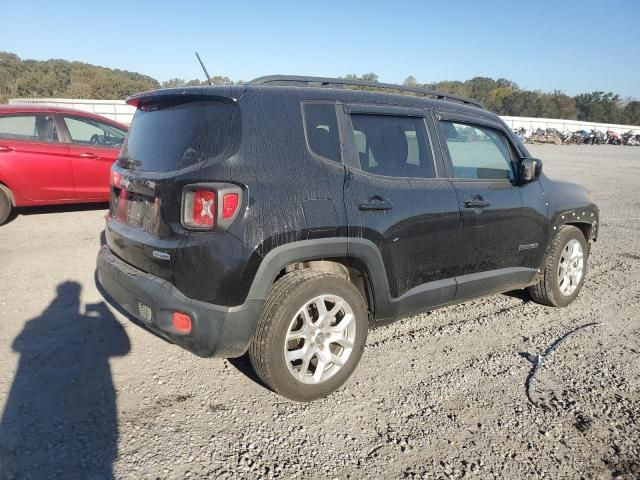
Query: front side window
{"type": "Point", "coordinates": [392, 146]}
{"type": "Point", "coordinates": [32, 127]}
{"type": "Point", "coordinates": [321, 124]}
{"type": "Point", "coordinates": [87, 131]}
{"type": "Point", "coordinates": [478, 153]}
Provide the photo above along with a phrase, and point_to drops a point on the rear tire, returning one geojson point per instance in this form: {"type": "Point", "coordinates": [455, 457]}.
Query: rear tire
{"type": "Point", "coordinates": [325, 320]}
{"type": "Point", "coordinates": [5, 206]}
{"type": "Point", "coordinates": [564, 270]}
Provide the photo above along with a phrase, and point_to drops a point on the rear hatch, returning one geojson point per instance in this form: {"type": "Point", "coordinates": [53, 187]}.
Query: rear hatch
{"type": "Point", "coordinates": [174, 135]}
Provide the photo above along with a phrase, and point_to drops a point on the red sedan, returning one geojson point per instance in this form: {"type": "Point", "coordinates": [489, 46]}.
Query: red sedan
{"type": "Point", "coordinates": [52, 155]}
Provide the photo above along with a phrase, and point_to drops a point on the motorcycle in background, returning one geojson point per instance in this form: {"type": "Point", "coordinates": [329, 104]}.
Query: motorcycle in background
{"type": "Point", "coordinates": [579, 137]}
{"type": "Point", "coordinates": [612, 138]}
{"type": "Point", "coordinates": [631, 139]}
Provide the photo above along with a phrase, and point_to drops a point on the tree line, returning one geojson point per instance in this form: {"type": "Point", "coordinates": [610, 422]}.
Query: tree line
{"type": "Point", "coordinates": [64, 79]}
{"type": "Point", "coordinates": [61, 78]}
{"type": "Point", "coordinates": [506, 98]}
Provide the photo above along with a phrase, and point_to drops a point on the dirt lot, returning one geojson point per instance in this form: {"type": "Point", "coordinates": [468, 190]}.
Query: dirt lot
{"type": "Point", "coordinates": [86, 394]}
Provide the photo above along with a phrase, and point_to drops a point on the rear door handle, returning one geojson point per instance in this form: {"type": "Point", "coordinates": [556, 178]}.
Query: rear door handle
{"type": "Point", "coordinates": [477, 203]}
{"type": "Point", "coordinates": [4, 148]}
{"type": "Point", "coordinates": [375, 203]}
{"type": "Point", "coordinates": [88, 155]}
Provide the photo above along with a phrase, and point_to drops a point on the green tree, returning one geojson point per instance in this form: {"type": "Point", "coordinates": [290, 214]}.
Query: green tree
{"type": "Point", "coordinates": [410, 81]}
{"type": "Point", "coordinates": [599, 107]}
{"type": "Point", "coordinates": [60, 78]}
{"type": "Point", "coordinates": [632, 113]}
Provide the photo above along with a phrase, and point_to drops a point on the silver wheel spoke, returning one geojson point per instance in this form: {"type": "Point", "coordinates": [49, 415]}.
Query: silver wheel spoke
{"type": "Point", "coordinates": [304, 368]}
{"type": "Point", "coordinates": [320, 366]}
{"type": "Point", "coordinates": [307, 319]}
{"type": "Point", "coordinates": [340, 340]}
{"type": "Point", "coordinates": [344, 323]}
{"type": "Point", "coordinates": [293, 355]}
{"type": "Point", "coordinates": [297, 335]}
{"type": "Point", "coordinates": [336, 360]}
{"type": "Point", "coordinates": [336, 308]}
{"type": "Point", "coordinates": [322, 310]}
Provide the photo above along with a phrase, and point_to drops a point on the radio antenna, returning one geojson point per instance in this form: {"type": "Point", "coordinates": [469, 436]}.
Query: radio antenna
{"type": "Point", "coordinates": [204, 68]}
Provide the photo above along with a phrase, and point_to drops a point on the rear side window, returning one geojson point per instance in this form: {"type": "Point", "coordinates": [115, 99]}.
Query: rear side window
{"type": "Point", "coordinates": [35, 128]}
{"type": "Point", "coordinates": [87, 131]}
{"type": "Point", "coordinates": [393, 146]}
{"type": "Point", "coordinates": [477, 152]}
{"type": "Point", "coordinates": [321, 126]}
{"type": "Point", "coordinates": [168, 137]}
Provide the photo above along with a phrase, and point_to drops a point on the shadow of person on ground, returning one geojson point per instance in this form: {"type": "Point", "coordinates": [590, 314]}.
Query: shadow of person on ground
{"type": "Point", "coordinates": [60, 418]}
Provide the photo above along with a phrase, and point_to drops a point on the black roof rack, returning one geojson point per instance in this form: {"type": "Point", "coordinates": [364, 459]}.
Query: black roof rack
{"type": "Point", "coordinates": [323, 82]}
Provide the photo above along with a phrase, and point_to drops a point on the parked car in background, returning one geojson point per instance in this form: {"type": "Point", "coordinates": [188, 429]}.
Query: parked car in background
{"type": "Point", "coordinates": [54, 156]}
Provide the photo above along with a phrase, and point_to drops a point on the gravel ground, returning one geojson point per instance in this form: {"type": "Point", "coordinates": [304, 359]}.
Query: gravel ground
{"type": "Point", "coordinates": [86, 394]}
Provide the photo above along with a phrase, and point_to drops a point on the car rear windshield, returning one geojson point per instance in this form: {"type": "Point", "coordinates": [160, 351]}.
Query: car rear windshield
{"type": "Point", "coordinates": [167, 137]}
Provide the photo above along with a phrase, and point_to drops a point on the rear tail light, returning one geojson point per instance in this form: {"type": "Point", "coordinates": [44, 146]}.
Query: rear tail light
{"type": "Point", "coordinates": [209, 206]}
{"type": "Point", "coordinates": [229, 205]}
{"type": "Point", "coordinates": [199, 209]}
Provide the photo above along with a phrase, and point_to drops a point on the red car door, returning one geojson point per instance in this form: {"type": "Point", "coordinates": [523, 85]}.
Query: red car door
{"type": "Point", "coordinates": [32, 160]}
{"type": "Point", "coordinates": [93, 145]}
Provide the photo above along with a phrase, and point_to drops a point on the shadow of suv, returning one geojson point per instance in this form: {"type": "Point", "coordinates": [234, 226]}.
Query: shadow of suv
{"type": "Point", "coordinates": [286, 216]}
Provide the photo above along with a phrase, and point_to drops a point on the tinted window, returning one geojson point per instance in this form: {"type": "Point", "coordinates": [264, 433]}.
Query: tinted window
{"type": "Point", "coordinates": [477, 152]}
{"type": "Point", "coordinates": [87, 131]}
{"type": "Point", "coordinates": [393, 146]}
{"type": "Point", "coordinates": [164, 138]}
{"type": "Point", "coordinates": [37, 128]}
{"type": "Point", "coordinates": [322, 130]}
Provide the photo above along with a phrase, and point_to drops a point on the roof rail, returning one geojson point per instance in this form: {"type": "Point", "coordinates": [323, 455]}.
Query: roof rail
{"type": "Point", "coordinates": [323, 82]}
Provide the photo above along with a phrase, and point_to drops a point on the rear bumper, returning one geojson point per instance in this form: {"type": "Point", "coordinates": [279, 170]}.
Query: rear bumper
{"type": "Point", "coordinates": [217, 330]}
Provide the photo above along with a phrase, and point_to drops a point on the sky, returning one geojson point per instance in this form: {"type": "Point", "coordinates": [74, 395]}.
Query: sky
{"type": "Point", "coordinates": [543, 45]}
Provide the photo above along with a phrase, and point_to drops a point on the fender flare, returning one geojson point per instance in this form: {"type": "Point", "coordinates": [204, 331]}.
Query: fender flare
{"type": "Point", "coordinates": [587, 215]}
{"type": "Point", "coordinates": [363, 251]}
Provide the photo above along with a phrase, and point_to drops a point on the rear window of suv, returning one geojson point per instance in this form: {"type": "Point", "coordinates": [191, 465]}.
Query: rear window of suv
{"type": "Point", "coordinates": [164, 138]}
{"type": "Point", "coordinates": [321, 125]}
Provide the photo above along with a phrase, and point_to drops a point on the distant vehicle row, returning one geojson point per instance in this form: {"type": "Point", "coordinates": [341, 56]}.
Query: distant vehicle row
{"type": "Point", "coordinates": [580, 137]}
{"type": "Point", "coordinates": [55, 156]}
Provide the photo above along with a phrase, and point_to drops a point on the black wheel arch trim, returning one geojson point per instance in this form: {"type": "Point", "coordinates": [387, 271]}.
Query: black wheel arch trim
{"type": "Point", "coordinates": [365, 252]}
{"type": "Point", "coordinates": [588, 215]}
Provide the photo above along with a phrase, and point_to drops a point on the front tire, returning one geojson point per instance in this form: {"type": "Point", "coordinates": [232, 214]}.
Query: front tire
{"type": "Point", "coordinates": [564, 270]}
{"type": "Point", "coordinates": [310, 335]}
{"type": "Point", "coordinates": [5, 206]}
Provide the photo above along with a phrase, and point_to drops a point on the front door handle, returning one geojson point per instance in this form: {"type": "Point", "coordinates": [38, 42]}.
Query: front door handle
{"type": "Point", "coordinates": [375, 203]}
{"type": "Point", "coordinates": [477, 203]}
{"type": "Point", "coordinates": [4, 148]}
{"type": "Point", "coordinates": [88, 155]}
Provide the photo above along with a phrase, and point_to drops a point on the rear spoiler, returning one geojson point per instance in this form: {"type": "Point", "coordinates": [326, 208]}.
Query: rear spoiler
{"type": "Point", "coordinates": [183, 95]}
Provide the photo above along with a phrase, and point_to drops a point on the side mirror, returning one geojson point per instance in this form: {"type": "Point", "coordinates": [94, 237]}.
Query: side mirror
{"type": "Point", "coordinates": [530, 169]}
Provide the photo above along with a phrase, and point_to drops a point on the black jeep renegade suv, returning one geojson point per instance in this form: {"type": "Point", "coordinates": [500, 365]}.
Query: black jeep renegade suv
{"type": "Point", "coordinates": [287, 216]}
